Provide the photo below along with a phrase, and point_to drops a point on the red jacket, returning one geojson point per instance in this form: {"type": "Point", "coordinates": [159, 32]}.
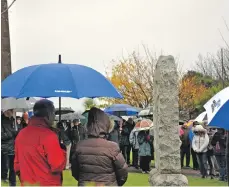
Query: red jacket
{"type": "Point", "coordinates": [39, 158]}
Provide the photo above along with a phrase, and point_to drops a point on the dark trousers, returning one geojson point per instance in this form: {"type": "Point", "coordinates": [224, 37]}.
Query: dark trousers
{"type": "Point", "coordinates": [124, 152]}
{"type": "Point", "coordinates": [145, 162]}
{"type": "Point", "coordinates": [221, 160]}
{"type": "Point", "coordinates": [202, 157]}
{"type": "Point", "coordinates": [194, 159]}
{"type": "Point", "coordinates": [129, 147]}
{"type": "Point", "coordinates": [210, 163]}
{"type": "Point", "coordinates": [8, 165]}
{"type": "Point", "coordinates": [135, 157]}
{"type": "Point", "coordinates": [185, 151]}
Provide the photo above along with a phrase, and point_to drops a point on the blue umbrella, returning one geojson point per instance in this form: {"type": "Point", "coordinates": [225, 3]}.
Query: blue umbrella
{"type": "Point", "coordinates": [121, 110]}
{"type": "Point", "coordinates": [58, 80]}
{"type": "Point", "coordinates": [217, 109]}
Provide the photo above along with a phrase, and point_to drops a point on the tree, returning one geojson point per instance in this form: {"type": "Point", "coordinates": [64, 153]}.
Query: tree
{"type": "Point", "coordinates": [195, 90]}
{"type": "Point", "coordinates": [133, 77]}
{"type": "Point", "coordinates": [89, 103]}
{"type": "Point", "coordinates": [211, 65]}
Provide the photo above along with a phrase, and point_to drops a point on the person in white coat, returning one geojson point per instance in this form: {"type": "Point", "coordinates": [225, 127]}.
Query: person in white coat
{"type": "Point", "coordinates": [200, 146]}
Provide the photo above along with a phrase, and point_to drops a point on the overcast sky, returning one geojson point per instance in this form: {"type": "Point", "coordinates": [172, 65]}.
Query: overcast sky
{"type": "Point", "coordinates": [93, 32]}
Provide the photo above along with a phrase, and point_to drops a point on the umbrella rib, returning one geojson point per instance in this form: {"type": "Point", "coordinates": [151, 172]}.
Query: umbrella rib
{"type": "Point", "coordinates": [29, 77]}
{"type": "Point", "coordinates": [73, 79]}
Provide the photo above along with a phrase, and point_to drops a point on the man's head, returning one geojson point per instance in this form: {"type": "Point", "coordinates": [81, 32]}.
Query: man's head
{"type": "Point", "coordinates": [76, 122]}
{"type": "Point", "coordinates": [18, 119]}
{"type": "Point", "coordinates": [9, 113]}
{"type": "Point", "coordinates": [45, 109]}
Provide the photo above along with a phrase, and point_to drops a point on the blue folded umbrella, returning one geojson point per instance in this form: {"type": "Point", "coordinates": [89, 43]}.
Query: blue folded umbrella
{"type": "Point", "coordinates": [58, 80]}
{"type": "Point", "coordinates": [121, 110]}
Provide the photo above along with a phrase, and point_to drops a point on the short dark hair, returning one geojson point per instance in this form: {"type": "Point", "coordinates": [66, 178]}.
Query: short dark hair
{"type": "Point", "coordinates": [44, 108]}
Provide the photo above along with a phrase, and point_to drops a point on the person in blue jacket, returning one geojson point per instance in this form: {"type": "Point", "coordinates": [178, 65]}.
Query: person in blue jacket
{"type": "Point", "coordinates": [194, 157]}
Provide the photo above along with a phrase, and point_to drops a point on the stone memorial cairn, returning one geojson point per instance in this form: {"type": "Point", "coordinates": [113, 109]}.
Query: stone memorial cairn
{"type": "Point", "coordinates": [167, 143]}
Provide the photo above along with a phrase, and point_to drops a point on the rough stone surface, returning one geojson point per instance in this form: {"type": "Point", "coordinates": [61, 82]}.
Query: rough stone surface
{"type": "Point", "coordinates": [166, 122]}
{"type": "Point", "coordinates": [158, 179]}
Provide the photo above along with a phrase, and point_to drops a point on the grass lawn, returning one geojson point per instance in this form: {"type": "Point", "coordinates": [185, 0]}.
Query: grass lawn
{"type": "Point", "coordinates": [137, 179]}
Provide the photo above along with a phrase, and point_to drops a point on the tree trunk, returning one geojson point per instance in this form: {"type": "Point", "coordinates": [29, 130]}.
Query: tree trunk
{"type": "Point", "coordinates": [5, 39]}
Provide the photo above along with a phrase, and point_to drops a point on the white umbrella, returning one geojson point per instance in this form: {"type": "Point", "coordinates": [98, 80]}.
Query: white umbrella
{"type": "Point", "coordinates": [201, 117]}
{"type": "Point", "coordinates": [217, 109]}
{"type": "Point", "coordinates": [19, 105]}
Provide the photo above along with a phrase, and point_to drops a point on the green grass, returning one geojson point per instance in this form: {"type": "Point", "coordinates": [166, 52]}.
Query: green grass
{"type": "Point", "coordinates": [138, 179]}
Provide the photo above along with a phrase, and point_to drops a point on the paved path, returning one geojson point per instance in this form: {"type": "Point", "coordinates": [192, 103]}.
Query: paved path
{"type": "Point", "coordinates": [187, 172]}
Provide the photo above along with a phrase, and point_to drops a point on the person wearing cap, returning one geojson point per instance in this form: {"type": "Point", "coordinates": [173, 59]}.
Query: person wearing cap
{"type": "Point", "coordinates": [200, 146]}
{"type": "Point", "coordinates": [78, 133]}
{"type": "Point", "coordinates": [39, 156]}
{"type": "Point", "coordinates": [8, 135]}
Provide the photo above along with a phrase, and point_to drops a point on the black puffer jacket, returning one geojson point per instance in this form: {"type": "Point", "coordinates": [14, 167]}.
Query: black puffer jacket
{"type": "Point", "coordinates": [8, 135]}
{"type": "Point", "coordinates": [97, 160]}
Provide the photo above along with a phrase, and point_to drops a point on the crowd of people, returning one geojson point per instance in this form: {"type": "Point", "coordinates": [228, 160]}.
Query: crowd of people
{"type": "Point", "coordinates": [207, 147]}
{"type": "Point", "coordinates": [37, 151]}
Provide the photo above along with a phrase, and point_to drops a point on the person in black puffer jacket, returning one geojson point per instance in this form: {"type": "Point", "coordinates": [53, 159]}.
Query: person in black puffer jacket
{"type": "Point", "coordinates": [219, 146]}
{"type": "Point", "coordinates": [78, 133]}
{"type": "Point", "coordinates": [64, 136]}
{"type": "Point", "coordinates": [8, 135]}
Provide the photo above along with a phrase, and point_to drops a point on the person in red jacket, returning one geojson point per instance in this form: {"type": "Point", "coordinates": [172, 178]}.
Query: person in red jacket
{"type": "Point", "coordinates": [39, 155]}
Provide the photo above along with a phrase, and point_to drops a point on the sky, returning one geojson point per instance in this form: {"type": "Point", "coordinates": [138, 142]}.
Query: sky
{"type": "Point", "coordinates": [93, 32]}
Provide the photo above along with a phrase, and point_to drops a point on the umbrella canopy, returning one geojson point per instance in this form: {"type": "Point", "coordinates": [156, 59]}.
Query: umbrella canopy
{"type": "Point", "coordinates": [64, 110]}
{"type": "Point", "coordinates": [19, 105]}
{"type": "Point", "coordinates": [144, 124]}
{"type": "Point", "coordinates": [217, 109]}
{"type": "Point", "coordinates": [71, 116]}
{"type": "Point", "coordinates": [121, 110]}
{"type": "Point", "coordinates": [202, 117]}
{"type": "Point", "coordinates": [115, 118]}
{"type": "Point", "coordinates": [146, 112]}
{"type": "Point", "coordinates": [58, 80]}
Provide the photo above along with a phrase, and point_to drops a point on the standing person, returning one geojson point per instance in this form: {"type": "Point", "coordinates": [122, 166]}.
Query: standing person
{"type": "Point", "coordinates": [19, 124]}
{"type": "Point", "coordinates": [114, 134]}
{"type": "Point", "coordinates": [8, 135]}
{"type": "Point", "coordinates": [144, 140]}
{"type": "Point", "coordinates": [194, 156]}
{"type": "Point", "coordinates": [130, 124]}
{"type": "Point", "coordinates": [97, 160]}
{"type": "Point", "coordinates": [219, 144]}
{"type": "Point", "coordinates": [66, 140]}
{"type": "Point", "coordinates": [25, 119]}
{"type": "Point", "coordinates": [210, 153]}
{"type": "Point", "coordinates": [78, 133]}
{"type": "Point", "coordinates": [200, 146]}
{"type": "Point", "coordinates": [39, 156]}
{"type": "Point", "coordinates": [135, 147]}
{"type": "Point", "coordinates": [185, 147]}
{"type": "Point", "coordinates": [124, 141]}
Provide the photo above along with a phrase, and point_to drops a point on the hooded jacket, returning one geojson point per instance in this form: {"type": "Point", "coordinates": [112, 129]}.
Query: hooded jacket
{"type": "Point", "coordinates": [39, 159]}
{"type": "Point", "coordinates": [97, 160]}
{"type": "Point", "coordinates": [8, 135]}
{"type": "Point", "coordinates": [200, 143]}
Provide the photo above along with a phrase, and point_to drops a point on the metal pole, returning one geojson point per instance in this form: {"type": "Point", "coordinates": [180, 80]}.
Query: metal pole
{"type": "Point", "coordinates": [59, 61]}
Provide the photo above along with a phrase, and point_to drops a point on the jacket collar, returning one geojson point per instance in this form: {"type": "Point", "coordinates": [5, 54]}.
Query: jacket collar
{"type": "Point", "coordinates": [39, 122]}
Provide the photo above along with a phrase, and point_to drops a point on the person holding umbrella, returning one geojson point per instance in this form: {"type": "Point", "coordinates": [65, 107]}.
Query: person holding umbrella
{"type": "Point", "coordinates": [40, 157]}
